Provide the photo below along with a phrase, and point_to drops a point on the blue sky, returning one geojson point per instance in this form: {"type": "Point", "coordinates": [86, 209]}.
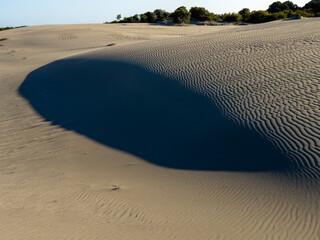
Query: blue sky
{"type": "Point", "coordinates": [39, 12]}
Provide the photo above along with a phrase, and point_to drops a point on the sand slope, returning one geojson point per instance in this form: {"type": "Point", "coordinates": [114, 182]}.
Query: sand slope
{"type": "Point", "coordinates": [173, 133]}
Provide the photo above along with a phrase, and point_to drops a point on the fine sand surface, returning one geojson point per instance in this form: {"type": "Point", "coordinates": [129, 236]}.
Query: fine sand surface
{"type": "Point", "coordinates": [174, 132]}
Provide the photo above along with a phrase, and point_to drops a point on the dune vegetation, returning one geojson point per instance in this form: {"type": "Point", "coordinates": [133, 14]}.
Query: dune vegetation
{"type": "Point", "coordinates": [8, 28]}
{"type": "Point", "coordinates": [277, 10]}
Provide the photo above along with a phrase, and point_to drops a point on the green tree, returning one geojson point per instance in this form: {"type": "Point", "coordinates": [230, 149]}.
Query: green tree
{"type": "Point", "coordinates": [275, 7]}
{"type": "Point", "coordinates": [181, 15]}
{"type": "Point", "coordinates": [118, 17]}
{"type": "Point", "coordinates": [288, 5]}
{"type": "Point", "coordinates": [136, 18]}
{"type": "Point", "coordinates": [313, 6]}
{"type": "Point", "coordinates": [128, 19]}
{"type": "Point", "coordinates": [161, 14]}
{"type": "Point", "coordinates": [212, 17]}
{"type": "Point", "coordinates": [201, 14]}
{"type": "Point", "coordinates": [143, 18]}
{"type": "Point", "coordinates": [279, 6]}
{"type": "Point", "coordinates": [151, 17]}
{"type": "Point", "coordinates": [259, 16]}
{"type": "Point", "coordinates": [245, 13]}
{"type": "Point", "coordinates": [232, 17]}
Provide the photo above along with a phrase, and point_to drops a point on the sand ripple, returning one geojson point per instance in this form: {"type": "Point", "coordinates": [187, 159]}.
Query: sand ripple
{"type": "Point", "coordinates": [58, 184]}
{"type": "Point", "coordinates": [262, 77]}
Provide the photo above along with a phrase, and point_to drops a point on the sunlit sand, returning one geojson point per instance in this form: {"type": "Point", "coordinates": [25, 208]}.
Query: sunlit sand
{"type": "Point", "coordinates": [137, 131]}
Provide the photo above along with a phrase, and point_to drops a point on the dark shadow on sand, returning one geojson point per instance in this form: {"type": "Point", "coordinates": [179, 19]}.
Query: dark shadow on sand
{"type": "Point", "coordinates": [125, 107]}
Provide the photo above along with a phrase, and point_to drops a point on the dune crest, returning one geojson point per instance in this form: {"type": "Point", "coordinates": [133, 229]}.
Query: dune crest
{"type": "Point", "coordinates": [265, 78]}
{"type": "Point", "coordinates": [153, 117]}
{"type": "Point", "coordinates": [154, 132]}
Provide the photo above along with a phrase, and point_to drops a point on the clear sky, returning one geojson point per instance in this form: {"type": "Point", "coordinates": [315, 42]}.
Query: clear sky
{"type": "Point", "coordinates": [39, 12]}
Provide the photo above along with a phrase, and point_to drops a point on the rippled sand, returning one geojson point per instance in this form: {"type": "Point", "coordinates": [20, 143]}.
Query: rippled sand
{"type": "Point", "coordinates": [136, 131]}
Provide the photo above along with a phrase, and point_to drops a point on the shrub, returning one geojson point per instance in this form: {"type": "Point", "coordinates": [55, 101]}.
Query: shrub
{"type": "Point", "coordinates": [288, 5]}
{"type": "Point", "coordinates": [128, 19]}
{"type": "Point", "coordinates": [289, 13]}
{"type": "Point", "coordinates": [6, 28]}
{"type": "Point", "coordinates": [259, 17]}
{"type": "Point", "coordinates": [305, 14]}
{"type": "Point", "coordinates": [264, 16]}
{"type": "Point", "coordinates": [276, 10]}
{"type": "Point", "coordinates": [213, 17]}
{"type": "Point", "coordinates": [161, 14]}
{"type": "Point", "coordinates": [143, 18]}
{"type": "Point", "coordinates": [277, 16]}
{"type": "Point", "coordinates": [275, 7]}
{"type": "Point", "coordinates": [151, 17]}
{"type": "Point", "coordinates": [201, 14]}
{"type": "Point", "coordinates": [181, 15]}
{"type": "Point", "coordinates": [245, 13]}
{"type": "Point", "coordinates": [279, 6]}
{"type": "Point", "coordinates": [136, 18]}
{"type": "Point", "coordinates": [232, 17]}
{"type": "Point", "coordinates": [313, 6]}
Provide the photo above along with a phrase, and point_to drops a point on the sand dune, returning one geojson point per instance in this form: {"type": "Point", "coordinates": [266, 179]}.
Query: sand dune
{"type": "Point", "coordinates": [153, 117]}
{"type": "Point", "coordinates": [172, 133]}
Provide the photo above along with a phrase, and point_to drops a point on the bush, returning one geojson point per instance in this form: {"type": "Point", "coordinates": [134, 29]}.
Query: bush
{"type": "Point", "coordinates": [133, 19]}
{"type": "Point", "coordinates": [276, 10]}
{"type": "Point", "coordinates": [313, 6]}
{"type": "Point", "coordinates": [161, 14]}
{"type": "Point", "coordinates": [264, 16]}
{"type": "Point", "coordinates": [245, 14]}
{"type": "Point", "coordinates": [259, 17]}
{"type": "Point", "coordinates": [288, 5]}
{"type": "Point", "coordinates": [181, 15]}
{"type": "Point", "coordinates": [128, 19]}
{"type": "Point", "coordinates": [213, 17]}
{"type": "Point", "coordinates": [6, 28]}
{"type": "Point", "coordinates": [277, 16]}
{"type": "Point", "coordinates": [151, 17]}
{"type": "Point", "coordinates": [289, 13]}
{"type": "Point", "coordinates": [275, 7]}
{"type": "Point", "coordinates": [305, 14]}
{"type": "Point", "coordinates": [232, 17]}
{"type": "Point", "coordinates": [280, 7]}
{"type": "Point", "coordinates": [143, 18]}
{"type": "Point", "coordinates": [136, 18]}
{"type": "Point", "coordinates": [201, 14]}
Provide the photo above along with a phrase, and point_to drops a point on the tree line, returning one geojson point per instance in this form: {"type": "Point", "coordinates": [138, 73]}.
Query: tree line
{"type": "Point", "coordinates": [277, 10]}
{"type": "Point", "coordinates": [8, 28]}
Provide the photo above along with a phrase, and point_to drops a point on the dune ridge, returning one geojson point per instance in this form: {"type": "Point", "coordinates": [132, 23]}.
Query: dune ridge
{"type": "Point", "coordinates": [58, 184]}
{"type": "Point", "coordinates": [267, 82]}
{"type": "Point", "coordinates": [148, 115]}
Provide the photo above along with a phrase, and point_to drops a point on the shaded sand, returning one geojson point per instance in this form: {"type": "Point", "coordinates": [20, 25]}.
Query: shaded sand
{"type": "Point", "coordinates": [172, 133]}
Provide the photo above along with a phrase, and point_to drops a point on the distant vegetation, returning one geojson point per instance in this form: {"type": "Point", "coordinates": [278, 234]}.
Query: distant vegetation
{"type": "Point", "coordinates": [277, 10]}
{"type": "Point", "coordinates": [8, 28]}
{"type": "Point", "coordinates": [181, 15]}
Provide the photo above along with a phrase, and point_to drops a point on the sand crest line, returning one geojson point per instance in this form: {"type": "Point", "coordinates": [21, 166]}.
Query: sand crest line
{"type": "Point", "coordinates": [68, 172]}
